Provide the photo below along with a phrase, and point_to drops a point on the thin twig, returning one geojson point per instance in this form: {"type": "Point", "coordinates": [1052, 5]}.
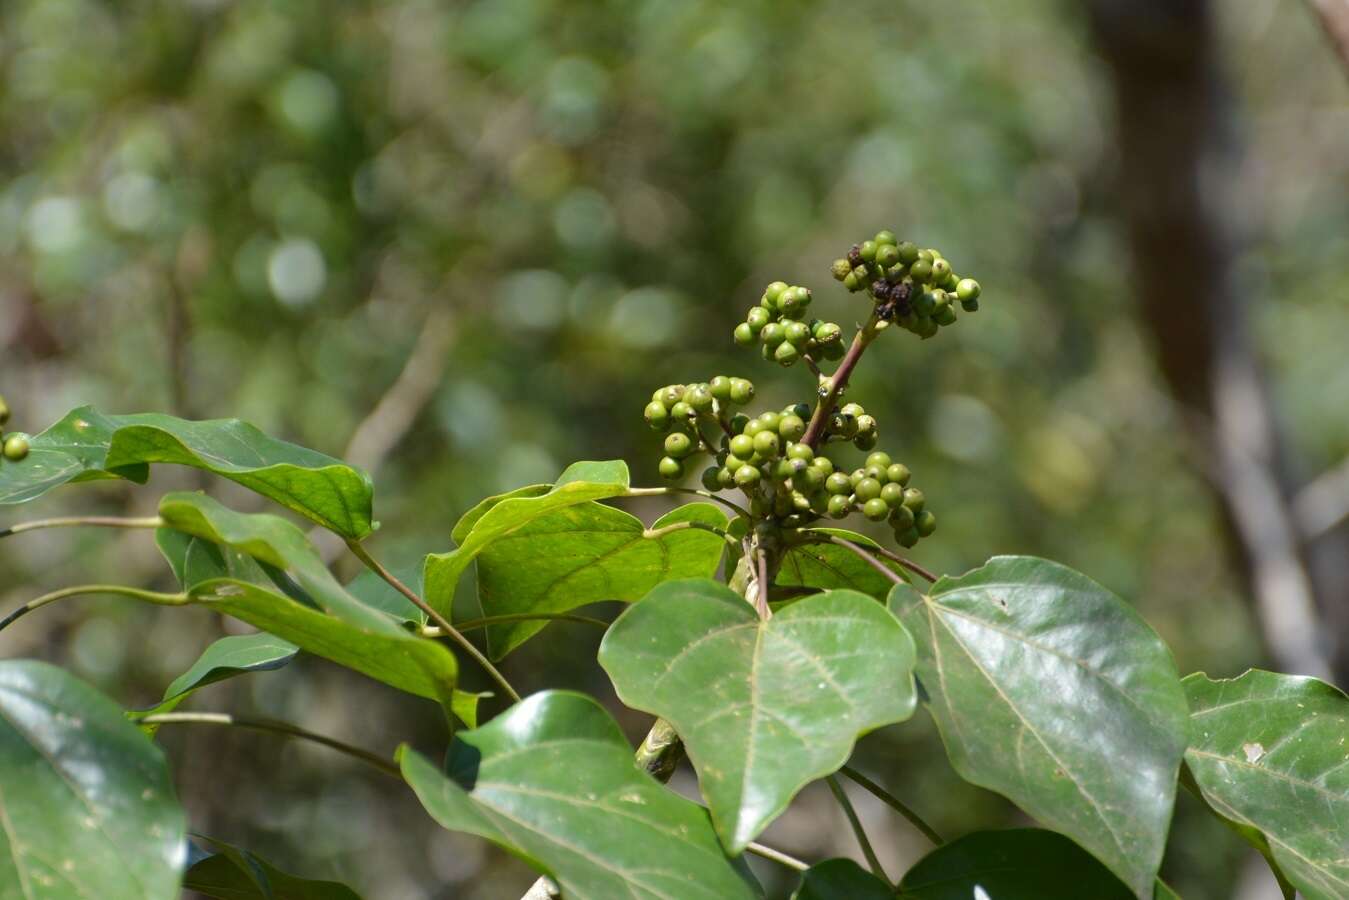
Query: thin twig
{"type": "Point", "coordinates": [815, 430]}
{"type": "Point", "coordinates": [81, 589]}
{"type": "Point", "coordinates": [486, 621]}
{"type": "Point", "coordinates": [776, 856]}
{"type": "Point", "coordinates": [446, 628]}
{"type": "Point", "coordinates": [683, 526]}
{"type": "Point", "coordinates": [660, 491]}
{"type": "Point", "coordinates": [865, 557]}
{"type": "Point", "coordinates": [71, 521]}
{"type": "Point", "coordinates": [274, 727]}
{"type": "Point", "coordinates": [905, 562]}
{"type": "Point", "coordinates": [894, 803]}
{"type": "Point", "coordinates": [872, 860]}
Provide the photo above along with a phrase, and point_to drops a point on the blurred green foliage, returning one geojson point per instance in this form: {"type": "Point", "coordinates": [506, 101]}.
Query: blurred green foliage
{"type": "Point", "coordinates": [251, 208]}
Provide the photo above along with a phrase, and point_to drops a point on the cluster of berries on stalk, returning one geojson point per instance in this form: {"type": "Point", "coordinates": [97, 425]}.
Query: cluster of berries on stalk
{"type": "Point", "coordinates": [14, 446]}
{"type": "Point", "coordinates": [778, 323]}
{"type": "Point", "coordinates": [915, 288]}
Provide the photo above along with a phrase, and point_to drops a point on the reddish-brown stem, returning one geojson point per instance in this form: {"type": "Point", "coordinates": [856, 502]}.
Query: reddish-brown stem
{"type": "Point", "coordinates": [815, 430]}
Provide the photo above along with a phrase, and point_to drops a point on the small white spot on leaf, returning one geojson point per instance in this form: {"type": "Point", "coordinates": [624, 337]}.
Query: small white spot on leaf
{"type": "Point", "coordinates": [1253, 752]}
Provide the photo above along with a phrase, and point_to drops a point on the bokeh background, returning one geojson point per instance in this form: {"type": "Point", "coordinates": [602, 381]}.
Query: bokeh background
{"type": "Point", "coordinates": [460, 243]}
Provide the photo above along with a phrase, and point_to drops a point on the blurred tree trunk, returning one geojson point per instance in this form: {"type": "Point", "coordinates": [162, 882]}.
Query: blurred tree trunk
{"type": "Point", "coordinates": [1177, 180]}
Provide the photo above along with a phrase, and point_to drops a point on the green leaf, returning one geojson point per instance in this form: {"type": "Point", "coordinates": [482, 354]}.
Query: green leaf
{"type": "Point", "coordinates": [341, 629]}
{"type": "Point", "coordinates": [374, 591]}
{"type": "Point", "coordinates": [829, 566]}
{"type": "Point", "coordinates": [586, 553]}
{"type": "Point", "coordinates": [764, 708]}
{"type": "Point", "coordinates": [552, 781]}
{"type": "Point", "coordinates": [87, 444]}
{"type": "Point", "coordinates": [87, 808]}
{"type": "Point", "coordinates": [194, 560]}
{"type": "Point", "coordinates": [470, 518]}
{"type": "Point", "coordinates": [500, 516]}
{"type": "Point", "coordinates": [1050, 690]}
{"type": "Point", "coordinates": [1016, 864]}
{"type": "Point", "coordinates": [841, 879]}
{"type": "Point", "coordinates": [226, 658]}
{"type": "Point", "coordinates": [1270, 753]}
{"type": "Point", "coordinates": [230, 873]}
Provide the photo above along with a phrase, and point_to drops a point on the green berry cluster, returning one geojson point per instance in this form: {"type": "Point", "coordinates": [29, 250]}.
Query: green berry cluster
{"type": "Point", "coordinates": [682, 410]}
{"type": "Point", "coordinates": [778, 323]}
{"type": "Point", "coordinates": [15, 445]}
{"type": "Point", "coordinates": [915, 288]}
{"type": "Point", "coordinates": [850, 422]}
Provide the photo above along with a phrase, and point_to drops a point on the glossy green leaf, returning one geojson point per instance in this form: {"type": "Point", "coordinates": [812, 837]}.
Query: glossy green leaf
{"type": "Point", "coordinates": [341, 628]}
{"type": "Point", "coordinates": [764, 708]}
{"type": "Point", "coordinates": [1270, 753]}
{"type": "Point", "coordinates": [87, 444]}
{"type": "Point", "coordinates": [229, 873]}
{"type": "Point", "coordinates": [827, 567]}
{"type": "Point", "coordinates": [194, 560]}
{"type": "Point", "coordinates": [470, 518]}
{"type": "Point", "coordinates": [841, 879]}
{"type": "Point", "coordinates": [1050, 690]}
{"type": "Point", "coordinates": [374, 591]}
{"type": "Point", "coordinates": [87, 808]}
{"type": "Point", "coordinates": [587, 553]}
{"type": "Point", "coordinates": [501, 516]}
{"type": "Point", "coordinates": [229, 656]}
{"type": "Point", "coordinates": [552, 781]}
{"type": "Point", "coordinates": [1016, 864]}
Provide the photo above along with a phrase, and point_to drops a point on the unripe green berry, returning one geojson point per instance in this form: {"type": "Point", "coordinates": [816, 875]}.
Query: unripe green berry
{"type": "Point", "coordinates": [856, 477]}
{"type": "Point", "coordinates": [840, 269]}
{"type": "Point", "coordinates": [678, 445]}
{"type": "Point", "coordinates": [742, 445]}
{"type": "Point", "coordinates": [945, 315]}
{"type": "Point", "coordinates": [867, 489]}
{"type": "Point", "coordinates": [746, 475]}
{"type": "Point", "coordinates": [792, 428]}
{"type": "Point", "coordinates": [833, 350]}
{"type": "Point", "coordinates": [770, 420]}
{"type": "Point", "coordinates": [875, 472]}
{"type": "Point", "coordinates": [908, 252]}
{"type": "Point", "coordinates": [823, 463]}
{"type": "Point", "coordinates": [913, 499]}
{"type": "Point", "coordinates": [743, 335]}
{"type": "Point", "coordinates": [839, 506]}
{"type": "Point", "coordinates": [866, 426]}
{"type": "Point", "coordinates": [940, 269]}
{"type": "Point", "coordinates": [786, 354]}
{"type": "Point", "coordinates": [885, 236]}
{"type": "Point", "coordinates": [875, 509]}
{"type": "Point", "coordinates": [16, 446]}
{"type": "Point", "coordinates": [897, 473]}
{"type": "Point", "coordinates": [838, 483]}
{"type": "Point", "coordinates": [711, 478]}
{"type": "Point", "coordinates": [656, 415]}
{"type": "Point", "coordinates": [772, 334]}
{"type": "Point", "coordinates": [792, 302]}
{"type": "Point", "coordinates": [809, 478]}
{"type": "Point", "coordinates": [825, 332]}
{"type": "Point", "coordinates": [671, 394]}
{"type": "Point", "coordinates": [4, 411]}
{"type": "Point", "coordinates": [928, 255]}
{"type": "Point", "coordinates": [901, 517]}
{"type": "Point", "coordinates": [969, 305]}
{"type": "Point", "coordinates": [757, 318]}
{"type": "Point", "coordinates": [906, 538]}
{"type": "Point", "coordinates": [738, 423]}
{"type": "Point", "coordinates": [926, 327]}
{"type": "Point", "coordinates": [699, 396]}
{"type": "Point", "coordinates": [852, 282]}
{"type": "Point", "coordinates": [925, 303]}
{"type": "Point", "coordinates": [967, 289]}
{"type": "Point", "coordinates": [720, 386]}
{"type": "Point", "coordinates": [766, 442]}
{"type": "Point", "coordinates": [796, 333]}
{"type": "Point", "coordinates": [852, 409]}
{"type": "Point", "coordinates": [892, 494]}
{"type": "Point", "coordinates": [734, 462]}
{"type": "Point", "coordinates": [671, 468]}
{"type": "Point", "coordinates": [774, 291]}
{"type": "Point", "coordinates": [865, 442]}
{"type": "Point", "coordinates": [887, 255]}
{"type": "Point", "coordinates": [753, 427]}
{"type": "Point", "coordinates": [921, 271]}
{"type": "Point", "coordinates": [926, 522]}
{"type": "Point", "coordinates": [867, 250]}
{"type": "Point", "coordinates": [680, 413]}
{"type": "Point", "coordinates": [742, 391]}
{"type": "Point", "coordinates": [879, 458]}
{"type": "Point", "coordinates": [785, 468]}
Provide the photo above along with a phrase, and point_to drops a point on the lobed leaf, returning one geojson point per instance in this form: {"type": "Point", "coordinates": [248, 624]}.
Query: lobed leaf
{"type": "Point", "coordinates": [87, 807]}
{"type": "Point", "coordinates": [498, 517]}
{"type": "Point", "coordinates": [1050, 690]}
{"type": "Point", "coordinates": [552, 781]}
{"type": "Point", "coordinates": [584, 554]}
{"type": "Point", "coordinates": [87, 445]}
{"type": "Point", "coordinates": [1270, 753]}
{"type": "Point", "coordinates": [230, 873]}
{"type": "Point", "coordinates": [764, 708]}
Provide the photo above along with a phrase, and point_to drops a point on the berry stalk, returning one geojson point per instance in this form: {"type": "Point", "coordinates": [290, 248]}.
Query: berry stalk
{"type": "Point", "coordinates": [838, 383]}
